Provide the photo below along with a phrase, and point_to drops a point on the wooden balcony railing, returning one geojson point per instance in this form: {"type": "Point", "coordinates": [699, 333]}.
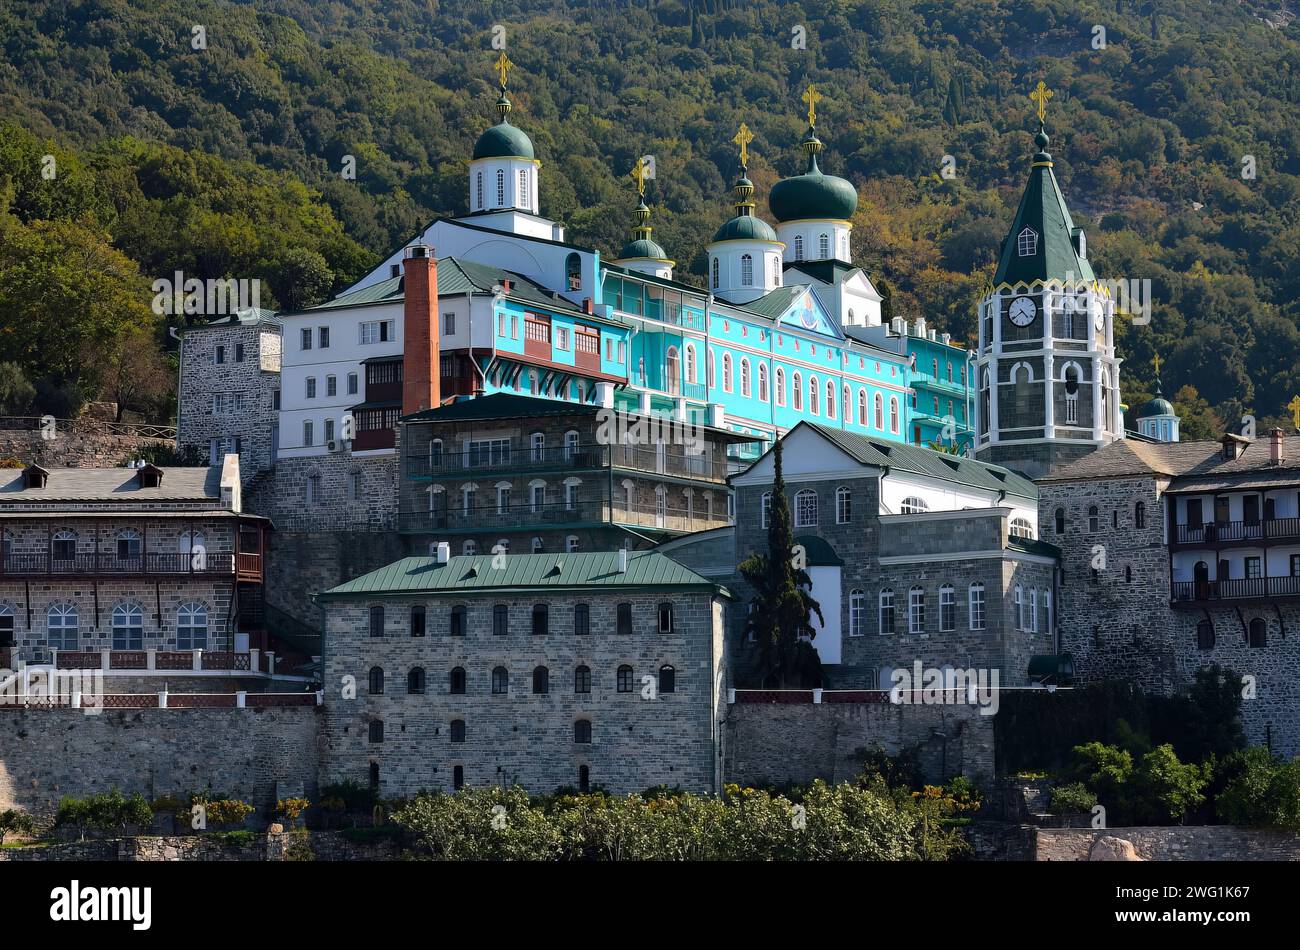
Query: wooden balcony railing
{"type": "Point", "coordinates": [90, 564]}
{"type": "Point", "coordinates": [669, 459]}
{"type": "Point", "coordinates": [1215, 532]}
{"type": "Point", "coordinates": [1241, 588]}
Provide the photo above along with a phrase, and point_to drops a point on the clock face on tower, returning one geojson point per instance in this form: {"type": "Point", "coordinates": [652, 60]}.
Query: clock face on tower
{"type": "Point", "coordinates": [1023, 311]}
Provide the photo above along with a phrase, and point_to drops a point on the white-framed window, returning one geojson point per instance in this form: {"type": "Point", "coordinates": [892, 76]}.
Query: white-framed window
{"type": "Point", "coordinates": [893, 415]}
{"type": "Point", "coordinates": [331, 386]}
{"type": "Point", "coordinates": [880, 412]}
{"type": "Point", "coordinates": [715, 269]}
{"type": "Point", "coordinates": [805, 508]}
{"type": "Point", "coordinates": [798, 247]}
{"type": "Point", "coordinates": [847, 408]}
{"type": "Point", "coordinates": [916, 610]}
{"type": "Point", "coordinates": [824, 246]}
{"type": "Point", "coordinates": [912, 505]}
{"type": "Point", "coordinates": [887, 611]}
{"type": "Point", "coordinates": [947, 608]}
{"type": "Point", "coordinates": [1027, 242]}
{"type": "Point", "coordinates": [765, 508]}
{"type": "Point", "coordinates": [571, 544]}
{"type": "Point", "coordinates": [746, 270]}
{"type": "Point", "coordinates": [726, 372]}
{"type": "Point", "coordinates": [1018, 603]}
{"type": "Point", "coordinates": [857, 613]}
{"type": "Point", "coordinates": [571, 493]}
{"type": "Point", "coordinates": [308, 430]}
{"type": "Point", "coordinates": [191, 627]}
{"type": "Point", "coordinates": [1047, 610]}
{"type": "Point", "coordinates": [537, 496]}
{"type": "Point", "coordinates": [478, 191]}
{"type": "Point", "coordinates": [469, 548]}
{"type": "Point", "coordinates": [304, 339]}
{"type": "Point", "coordinates": [501, 188]}
{"type": "Point", "coordinates": [329, 431]}
{"type": "Point", "coordinates": [814, 397]}
{"type": "Point", "coordinates": [762, 382]}
{"type": "Point", "coordinates": [377, 331]}
{"type": "Point", "coordinates": [537, 545]}
{"type": "Point", "coordinates": [7, 620]}
{"type": "Point", "coordinates": [780, 386]}
{"type": "Point", "coordinates": [311, 387]}
{"type": "Point", "coordinates": [468, 497]}
{"type": "Point", "coordinates": [524, 199]}
{"type": "Point", "coordinates": [1021, 528]}
{"type": "Point", "coordinates": [975, 605]}
{"type": "Point", "coordinates": [571, 444]}
{"type": "Point", "coordinates": [1033, 610]}
{"type": "Point", "coordinates": [862, 408]}
{"type": "Point", "coordinates": [61, 627]}
{"type": "Point", "coordinates": [796, 390]}
{"type": "Point", "coordinates": [353, 382]}
{"type": "Point", "coordinates": [537, 446]}
{"type": "Point", "coordinates": [843, 505]}
{"type": "Point", "coordinates": [448, 324]}
{"type": "Point", "coordinates": [128, 627]}
{"type": "Point", "coordinates": [503, 497]}
{"type": "Point", "coordinates": [744, 376]}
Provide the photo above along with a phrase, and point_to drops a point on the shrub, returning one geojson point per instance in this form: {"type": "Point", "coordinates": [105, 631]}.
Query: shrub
{"type": "Point", "coordinates": [1072, 799]}
{"type": "Point", "coordinates": [291, 809]}
{"type": "Point", "coordinates": [1165, 789]}
{"type": "Point", "coordinates": [1263, 792]}
{"type": "Point", "coordinates": [107, 811]}
{"type": "Point", "coordinates": [15, 822]}
{"type": "Point", "coordinates": [228, 811]}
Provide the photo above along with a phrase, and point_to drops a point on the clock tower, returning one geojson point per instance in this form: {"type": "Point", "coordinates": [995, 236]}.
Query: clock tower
{"type": "Point", "coordinates": [1046, 377]}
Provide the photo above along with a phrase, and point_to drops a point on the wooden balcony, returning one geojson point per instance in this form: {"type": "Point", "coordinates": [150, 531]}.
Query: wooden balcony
{"type": "Point", "coordinates": [1197, 593]}
{"type": "Point", "coordinates": [243, 566]}
{"type": "Point", "coordinates": [1227, 532]}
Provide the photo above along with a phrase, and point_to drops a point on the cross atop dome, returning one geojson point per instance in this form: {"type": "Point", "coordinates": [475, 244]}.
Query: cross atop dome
{"type": "Point", "coordinates": [743, 138]}
{"type": "Point", "coordinates": [811, 97]}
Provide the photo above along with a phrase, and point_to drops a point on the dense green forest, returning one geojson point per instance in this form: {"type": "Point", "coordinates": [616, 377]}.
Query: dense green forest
{"type": "Point", "coordinates": [227, 160]}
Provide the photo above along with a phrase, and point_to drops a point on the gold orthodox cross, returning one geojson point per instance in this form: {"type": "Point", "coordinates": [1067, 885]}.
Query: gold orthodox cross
{"type": "Point", "coordinates": [639, 176]}
{"type": "Point", "coordinates": [1294, 406]}
{"type": "Point", "coordinates": [812, 97]}
{"type": "Point", "coordinates": [503, 66]}
{"type": "Point", "coordinates": [743, 138]}
{"type": "Point", "coordinates": [1040, 95]}
{"type": "Point", "coordinates": [1155, 360]}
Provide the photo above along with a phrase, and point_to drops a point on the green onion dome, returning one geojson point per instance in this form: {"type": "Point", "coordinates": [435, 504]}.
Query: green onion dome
{"type": "Point", "coordinates": [813, 194]}
{"type": "Point", "coordinates": [744, 226]}
{"type": "Point", "coordinates": [503, 140]}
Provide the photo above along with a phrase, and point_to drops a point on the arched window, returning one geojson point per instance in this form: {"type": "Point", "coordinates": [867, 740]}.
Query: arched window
{"type": "Point", "coordinates": [813, 398]}
{"type": "Point", "coordinates": [128, 544]}
{"type": "Point", "coordinates": [191, 627]}
{"type": "Point", "coordinates": [7, 621]}
{"type": "Point", "coordinates": [1021, 528]}
{"type": "Point", "coordinates": [1019, 604]}
{"type": "Point", "coordinates": [1071, 396]}
{"type": "Point", "coordinates": [690, 365]}
{"type": "Point", "coordinates": [887, 610]}
{"type": "Point", "coordinates": [667, 679]}
{"type": "Point", "coordinates": [500, 680]}
{"type": "Point", "coordinates": [63, 546]}
{"type": "Point", "coordinates": [541, 681]}
{"type": "Point", "coordinates": [824, 246]}
{"type": "Point", "coordinates": [1205, 635]}
{"type": "Point", "coordinates": [415, 681]}
{"type": "Point", "coordinates": [128, 627]}
{"type": "Point", "coordinates": [478, 191]}
{"type": "Point", "coordinates": [375, 682]}
{"type": "Point", "coordinates": [582, 731]}
{"type": "Point", "coordinates": [1140, 515]}
{"type": "Point", "coordinates": [501, 188]}
{"type": "Point", "coordinates": [672, 371]}
{"type": "Point", "coordinates": [571, 441]}
{"type": "Point", "coordinates": [537, 446]}
{"type": "Point", "coordinates": [975, 606]}
{"type": "Point", "coordinates": [469, 548]}
{"type": "Point", "coordinates": [376, 621]}
{"type": "Point", "coordinates": [582, 680]}
{"type": "Point", "coordinates": [456, 622]}
{"type": "Point", "coordinates": [744, 376]}
{"type": "Point", "coordinates": [746, 270]}
{"type": "Point", "coordinates": [830, 400]}
{"type": "Point", "coordinates": [1092, 518]}
{"type": "Point", "coordinates": [796, 388]}
{"type": "Point", "coordinates": [1060, 521]}
{"type": "Point", "coordinates": [726, 372]}
{"type": "Point", "coordinates": [523, 199]}
{"type": "Point", "coordinates": [708, 366]}
{"type": "Point", "coordinates": [947, 608]}
{"type": "Point", "coordinates": [762, 382]}
{"type": "Point", "coordinates": [879, 404]}
{"type": "Point", "coordinates": [715, 273]}
{"type": "Point", "coordinates": [581, 620]}
{"type": "Point", "coordinates": [1258, 633]}
{"type": "Point", "coordinates": [916, 610]}
{"type": "Point", "coordinates": [376, 730]}
{"type": "Point", "coordinates": [914, 505]}
{"type": "Point", "coordinates": [847, 413]}
{"type": "Point", "coordinates": [857, 613]}
{"type": "Point", "coordinates": [458, 735]}
{"type": "Point", "coordinates": [805, 508]}
{"type": "Point", "coordinates": [893, 415]}
{"type": "Point", "coordinates": [798, 247]}
{"type": "Point", "coordinates": [862, 407]}
{"type": "Point", "coordinates": [456, 681]}
{"type": "Point", "coordinates": [532, 383]}
{"type": "Point", "coordinates": [624, 679]}
{"type": "Point", "coordinates": [61, 627]}
{"type": "Point", "coordinates": [843, 505]}
{"type": "Point", "coordinates": [541, 619]}
{"type": "Point", "coordinates": [435, 454]}
{"type": "Point", "coordinates": [780, 386]}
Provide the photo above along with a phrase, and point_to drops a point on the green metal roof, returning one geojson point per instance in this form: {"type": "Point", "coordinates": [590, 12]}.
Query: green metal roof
{"type": "Point", "coordinates": [812, 195]}
{"type": "Point", "coordinates": [818, 551]}
{"type": "Point", "coordinates": [502, 406]}
{"type": "Point", "coordinates": [923, 461]}
{"type": "Point", "coordinates": [774, 303]}
{"type": "Point", "coordinates": [745, 227]}
{"type": "Point", "coordinates": [827, 272]}
{"type": "Point", "coordinates": [1042, 208]}
{"type": "Point", "coordinates": [523, 572]}
{"type": "Point", "coordinates": [503, 140]}
{"type": "Point", "coordinates": [642, 248]}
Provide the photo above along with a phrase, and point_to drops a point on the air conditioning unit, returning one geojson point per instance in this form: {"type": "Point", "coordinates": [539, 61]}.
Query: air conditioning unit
{"type": "Point", "coordinates": [333, 445]}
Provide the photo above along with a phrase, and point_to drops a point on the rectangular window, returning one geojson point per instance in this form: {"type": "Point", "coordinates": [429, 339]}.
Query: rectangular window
{"type": "Point", "coordinates": [620, 352]}
{"type": "Point", "coordinates": [665, 618]}
{"type": "Point", "coordinates": [489, 452]}
{"type": "Point", "coordinates": [947, 609]}
{"type": "Point", "coordinates": [352, 384]}
{"type": "Point", "coordinates": [456, 622]}
{"type": "Point", "coordinates": [1295, 565]}
{"type": "Point", "coordinates": [417, 620]}
{"type": "Point", "coordinates": [562, 338]}
{"type": "Point", "coordinates": [448, 324]}
{"type": "Point", "coordinates": [329, 430]}
{"type": "Point", "coordinates": [624, 619]}
{"type": "Point", "coordinates": [304, 338]}
{"type": "Point", "coordinates": [354, 481]}
{"type": "Point", "coordinates": [857, 613]}
{"type": "Point", "coordinates": [500, 620]}
{"type": "Point", "coordinates": [1254, 567]}
{"type": "Point", "coordinates": [376, 621]}
{"type": "Point", "coordinates": [219, 355]}
{"type": "Point", "coordinates": [307, 433]}
{"type": "Point", "coordinates": [323, 334]}
{"type": "Point", "coordinates": [311, 387]}
{"type": "Point", "coordinates": [581, 620]}
{"type": "Point", "coordinates": [331, 386]}
{"type": "Point", "coordinates": [378, 331]}
{"type": "Point", "coordinates": [843, 506]}
{"type": "Point", "coordinates": [805, 508]}
{"type": "Point", "coordinates": [239, 352]}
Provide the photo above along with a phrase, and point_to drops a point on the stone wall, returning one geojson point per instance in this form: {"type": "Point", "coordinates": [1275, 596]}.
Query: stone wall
{"type": "Point", "coordinates": [774, 743]}
{"type": "Point", "coordinates": [48, 753]}
{"type": "Point", "coordinates": [282, 846]}
{"type": "Point", "coordinates": [302, 563]}
{"type": "Point", "coordinates": [335, 492]}
{"type": "Point", "coordinates": [1192, 843]}
{"type": "Point", "coordinates": [75, 445]}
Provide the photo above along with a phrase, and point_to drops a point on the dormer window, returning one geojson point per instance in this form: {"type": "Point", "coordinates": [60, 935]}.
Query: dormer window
{"type": "Point", "coordinates": [150, 476]}
{"type": "Point", "coordinates": [1027, 242]}
{"type": "Point", "coordinates": [1080, 244]}
{"type": "Point", "coordinates": [35, 477]}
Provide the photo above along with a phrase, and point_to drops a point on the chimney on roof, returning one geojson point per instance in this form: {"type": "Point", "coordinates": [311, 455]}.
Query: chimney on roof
{"type": "Point", "coordinates": [507, 286]}
{"type": "Point", "coordinates": [588, 306]}
{"type": "Point", "coordinates": [622, 560]}
{"type": "Point", "coordinates": [421, 372]}
{"type": "Point", "coordinates": [920, 327]}
{"type": "Point", "coordinates": [443, 552]}
{"type": "Point", "coordinates": [900, 326]}
{"type": "Point", "coordinates": [1275, 446]}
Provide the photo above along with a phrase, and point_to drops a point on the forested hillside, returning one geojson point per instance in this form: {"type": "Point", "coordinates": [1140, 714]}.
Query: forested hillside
{"type": "Point", "coordinates": [227, 160]}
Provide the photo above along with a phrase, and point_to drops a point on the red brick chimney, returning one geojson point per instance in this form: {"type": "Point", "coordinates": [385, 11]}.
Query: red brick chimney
{"type": "Point", "coordinates": [421, 383]}
{"type": "Point", "coordinates": [1275, 443]}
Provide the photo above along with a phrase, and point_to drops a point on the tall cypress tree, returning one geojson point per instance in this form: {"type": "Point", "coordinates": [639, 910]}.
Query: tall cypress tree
{"type": "Point", "coordinates": [782, 608]}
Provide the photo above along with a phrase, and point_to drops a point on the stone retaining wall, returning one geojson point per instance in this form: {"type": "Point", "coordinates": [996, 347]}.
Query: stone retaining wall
{"type": "Point", "coordinates": [284, 846]}
{"type": "Point", "coordinates": [1193, 843]}
{"type": "Point", "coordinates": [74, 446]}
